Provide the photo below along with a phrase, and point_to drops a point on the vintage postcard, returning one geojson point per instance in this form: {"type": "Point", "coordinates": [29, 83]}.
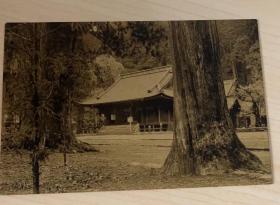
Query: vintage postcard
{"type": "Point", "coordinates": [99, 106]}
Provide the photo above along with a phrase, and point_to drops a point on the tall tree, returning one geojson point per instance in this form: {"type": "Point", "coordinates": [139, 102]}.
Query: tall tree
{"type": "Point", "coordinates": [24, 74]}
{"type": "Point", "coordinates": [38, 123]}
{"type": "Point", "coordinates": [204, 138]}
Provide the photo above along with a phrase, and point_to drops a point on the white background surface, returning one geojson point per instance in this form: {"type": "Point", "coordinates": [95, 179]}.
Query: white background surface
{"type": "Point", "coordinates": [268, 14]}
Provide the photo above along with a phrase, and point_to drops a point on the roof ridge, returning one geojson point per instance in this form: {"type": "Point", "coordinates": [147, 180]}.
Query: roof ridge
{"type": "Point", "coordinates": [139, 72]}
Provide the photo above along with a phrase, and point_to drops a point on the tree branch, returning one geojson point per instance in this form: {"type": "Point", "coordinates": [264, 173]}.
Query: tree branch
{"type": "Point", "coordinates": [18, 35]}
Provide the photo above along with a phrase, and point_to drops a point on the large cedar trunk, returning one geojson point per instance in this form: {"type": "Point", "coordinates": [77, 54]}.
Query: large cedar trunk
{"type": "Point", "coordinates": [204, 138]}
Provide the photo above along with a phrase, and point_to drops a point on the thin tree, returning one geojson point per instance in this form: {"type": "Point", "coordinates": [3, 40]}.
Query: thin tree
{"type": "Point", "coordinates": [38, 121]}
{"type": "Point", "coordinates": [204, 138]}
{"type": "Point", "coordinates": [26, 45]}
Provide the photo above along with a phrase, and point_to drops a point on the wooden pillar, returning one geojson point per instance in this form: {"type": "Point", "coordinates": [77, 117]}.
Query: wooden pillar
{"type": "Point", "coordinates": [168, 116]}
{"type": "Point", "coordinates": [237, 120]}
{"type": "Point", "coordinates": [113, 116]}
{"type": "Point", "coordinates": [95, 126]}
{"type": "Point", "coordinates": [130, 109]}
{"type": "Point", "coordinates": [159, 120]}
{"type": "Point", "coordinates": [142, 116]}
{"type": "Point", "coordinates": [145, 114]}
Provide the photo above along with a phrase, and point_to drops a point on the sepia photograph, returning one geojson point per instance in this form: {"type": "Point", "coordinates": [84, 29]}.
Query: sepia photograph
{"type": "Point", "coordinates": [133, 105]}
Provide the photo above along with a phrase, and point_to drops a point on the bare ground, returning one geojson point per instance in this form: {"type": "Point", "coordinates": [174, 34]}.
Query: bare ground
{"type": "Point", "coordinates": [123, 163]}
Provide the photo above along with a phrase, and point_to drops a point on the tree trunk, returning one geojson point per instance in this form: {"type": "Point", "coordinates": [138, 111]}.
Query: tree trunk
{"type": "Point", "coordinates": [204, 138]}
{"type": "Point", "coordinates": [35, 173]}
{"type": "Point", "coordinates": [35, 106]}
{"type": "Point", "coordinates": [68, 136]}
{"type": "Point", "coordinates": [38, 121]}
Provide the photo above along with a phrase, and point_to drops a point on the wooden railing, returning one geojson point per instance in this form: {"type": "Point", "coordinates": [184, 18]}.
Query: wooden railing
{"type": "Point", "coordinates": [155, 127]}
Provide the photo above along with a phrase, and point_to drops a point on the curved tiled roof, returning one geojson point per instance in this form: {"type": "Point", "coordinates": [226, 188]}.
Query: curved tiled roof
{"type": "Point", "coordinates": [134, 86]}
{"type": "Point", "coordinates": [144, 84]}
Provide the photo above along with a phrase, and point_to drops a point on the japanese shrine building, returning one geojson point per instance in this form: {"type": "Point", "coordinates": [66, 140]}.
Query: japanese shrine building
{"type": "Point", "coordinates": [143, 98]}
